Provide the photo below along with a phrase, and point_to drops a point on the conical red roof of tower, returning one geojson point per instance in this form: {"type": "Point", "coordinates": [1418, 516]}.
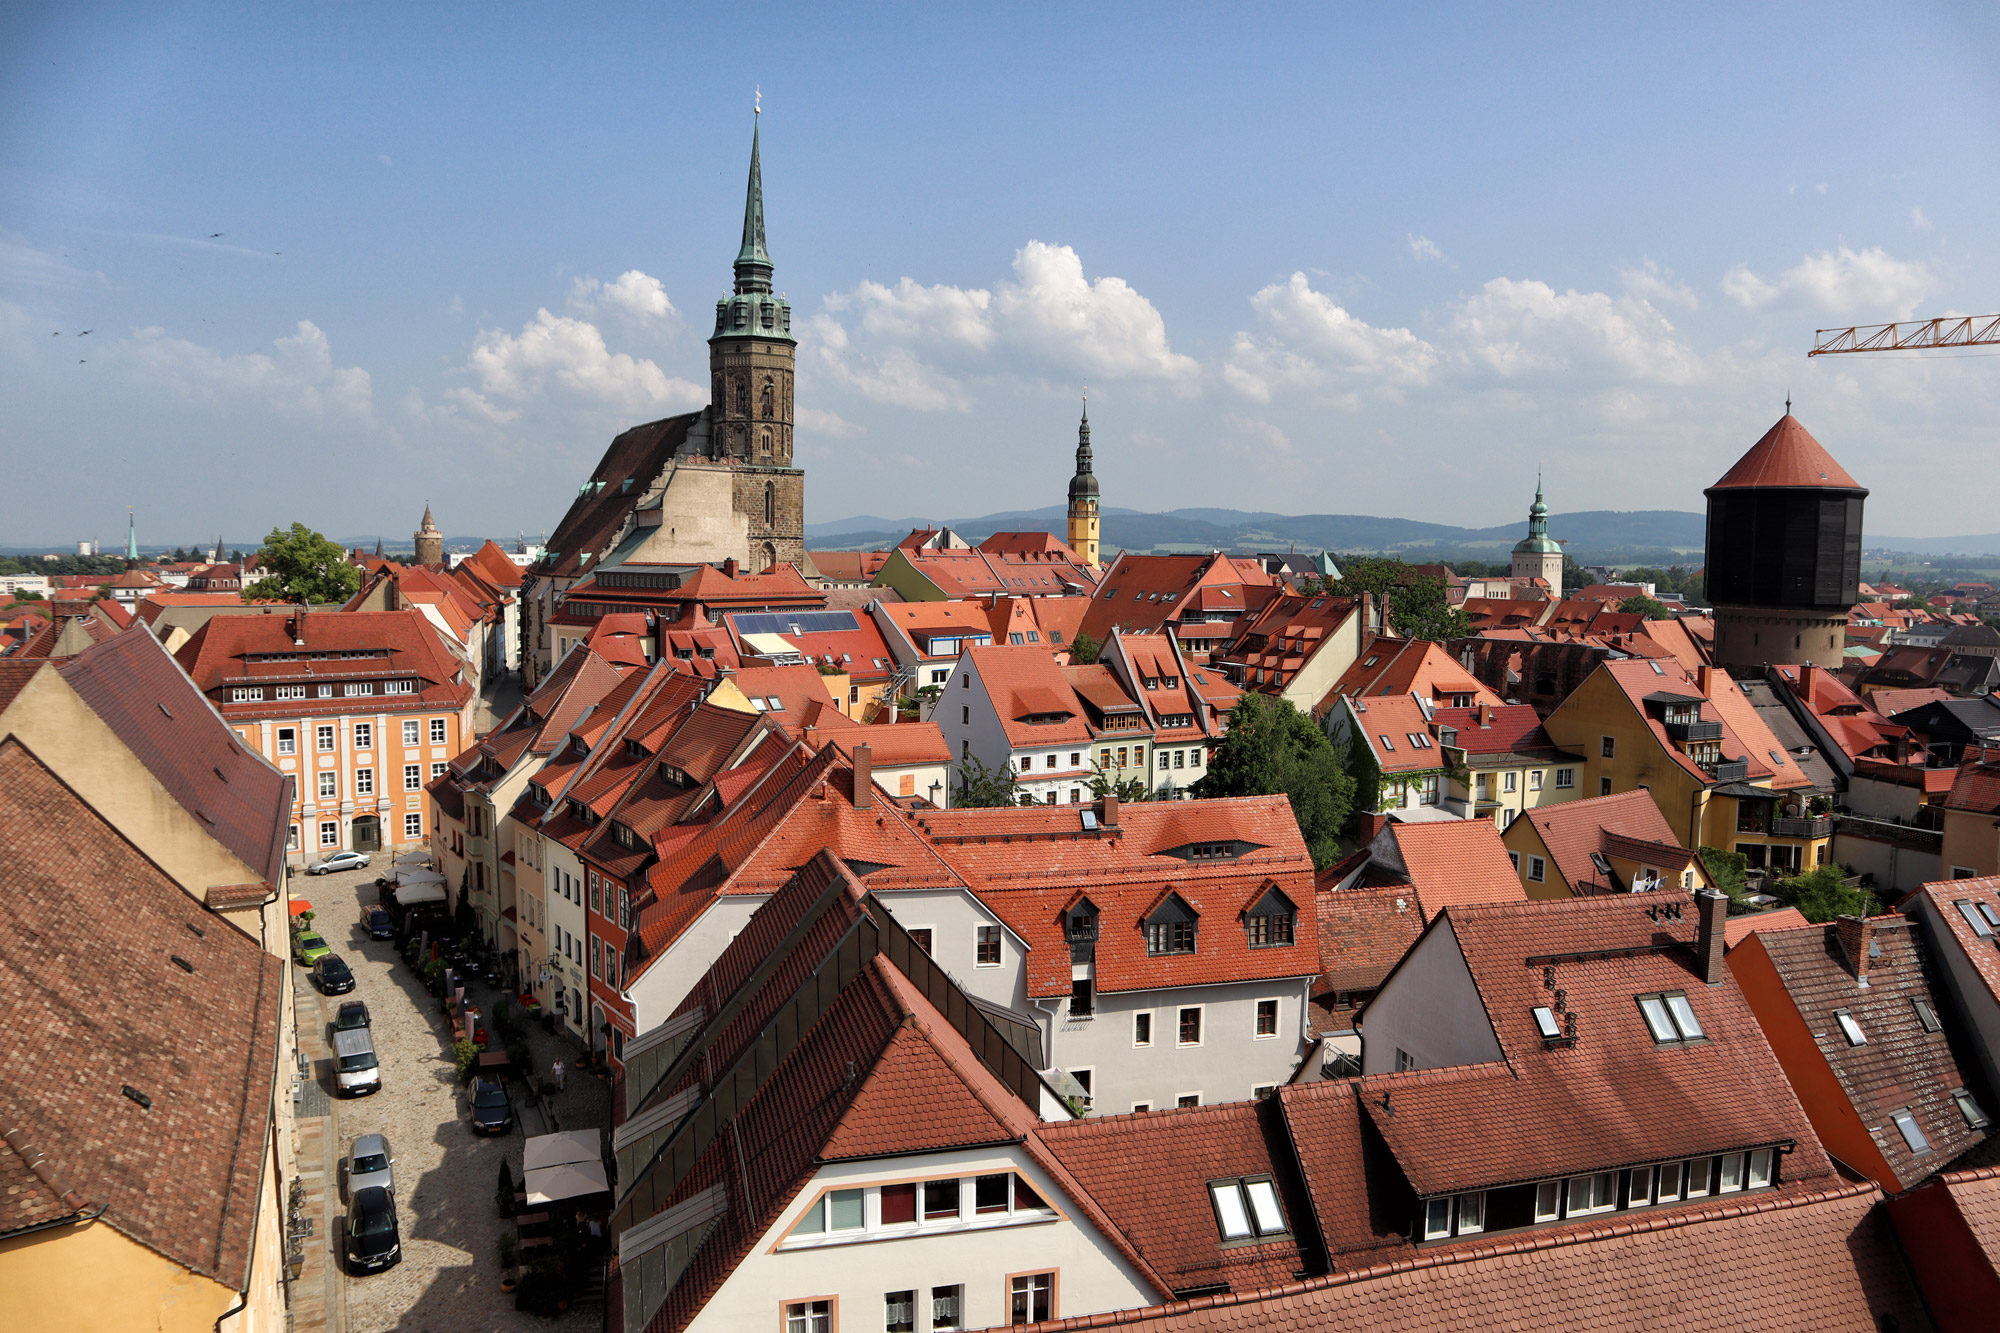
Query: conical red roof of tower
{"type": "Point", "coordinates": [1788, 455]}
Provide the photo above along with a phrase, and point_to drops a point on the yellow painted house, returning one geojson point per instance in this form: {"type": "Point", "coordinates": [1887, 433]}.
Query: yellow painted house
{"type": "Point", "coordinates": [1697, 745]}
{"type": "Point", "coordinates": [1605, 844]}
{"type": "Point", "coordinates": [1972, 822]}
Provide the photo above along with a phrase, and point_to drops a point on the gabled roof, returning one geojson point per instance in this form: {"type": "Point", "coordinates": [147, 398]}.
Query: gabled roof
{"type": "Point", "coordinates": [1975, 787]}
{"type": "Point", "coordinates": [1409, 666]}
{"type": "Point", "coordinates": [1620, 1098]}
{"type": "Point", "coordinates": [1364, 931]}
{"type": "Point", "coordinates": [1744, 734]}
{"type": "Point", "coordinates": [91, 926]}
{"type": "Point", "coordinates": [1387, 723]}
{"type": "Point", "coordinates": [613, 490]}
{"type": "Point", "coordinates": [1502, 729]}
{"type": "Point", "coordinates": [1572, 830]}
{"type": "Point", "coordinates": [1450, 861]}
{"type": "Point", "coordinates": [1981, 891]}
{"type": "Point", "coordinates": [1787, 456]}
{"type": "Point", "coordinates": [401, 644]}
{"type": "Point", "coordinates": [1026, 682]}
{"type": "Point", "coordinates": [900, 745]}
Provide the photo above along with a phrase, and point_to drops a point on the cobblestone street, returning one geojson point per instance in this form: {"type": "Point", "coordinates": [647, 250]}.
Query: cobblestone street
{"type": "Point", "coordinates": [449, 1277]}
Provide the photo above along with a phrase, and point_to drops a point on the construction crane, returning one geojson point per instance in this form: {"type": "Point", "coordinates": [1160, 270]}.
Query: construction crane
{"type": "Point", "coordinates": [1918, 335]}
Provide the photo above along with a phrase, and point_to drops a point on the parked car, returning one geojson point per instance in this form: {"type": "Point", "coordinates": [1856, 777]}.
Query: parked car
{"type": "Point", "coordinates": [308, 947]}
{"type": "Point", "coordinates": [351, 1016]}
{"type": "Point", "coordinates": [491, 1113]}
{"type": "Point", "coordinates": [332, 975]}
{"type": "Point", "coordinates": [355, 1068]}
{"type": "Point", "coordinates": [378, 924]}
{"type": "Point", "coordinates": [373, 1240]}
{"type": "Point", "coordinates": [370, 1164]}
{"type": "Point", "coordinates": [337, 862]}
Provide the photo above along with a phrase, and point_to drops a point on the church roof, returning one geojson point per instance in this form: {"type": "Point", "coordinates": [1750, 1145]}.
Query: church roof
{"type": "Point", "coordinates": [1787, 456]}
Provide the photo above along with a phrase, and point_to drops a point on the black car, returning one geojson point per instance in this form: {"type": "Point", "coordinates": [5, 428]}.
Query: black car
{"type": "Point", "coordinates": [333, 974]}
{"type": "Point", "coordinates": [373, 1241]}
{"type": "Point", "coordinates": [378, 924]}
{"type": "Point", "coordinates": [353, 1014]}
{"type": "Point", "coordinates": [490, 1112]}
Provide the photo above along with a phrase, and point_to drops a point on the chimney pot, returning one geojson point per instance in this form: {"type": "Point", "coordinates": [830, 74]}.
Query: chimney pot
{"type": "Point", "coordinates": [1855, 933]}
{"type": "Point", "coordinates": [1485, 715]}
{"type": "Point", "coordinates": [1708, 940]}
{"type": "Point", "coordinates": [1109, 817]}
{"type": "Point", "coordinates": [864, 777]}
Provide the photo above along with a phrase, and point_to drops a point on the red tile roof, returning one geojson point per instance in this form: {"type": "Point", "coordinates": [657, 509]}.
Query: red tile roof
{"type": "Point", "coordinates": [1787, 456]}
{"type": "Point", "coordinates": [1744, 733]}
{"type": "Point", "coordinates": [1026, 682]}
{"type": "Point", "coordinates": [1572, 830]}
{"type": "Point", "coordinates": [1498, 729]}
{"type": "Point", "coordinates": [1451, 862]}
{"type": "Point", "coordinates": [89, 930]}
{"type": "Point", "coordinates": [1943, 894]}
{"type": "Point", "coordinates": [897, 746]}
{"type": "Point", "coordinates": [1363, 932]}
{"type": "Point", "coordinates": [396, 644]}
{"type": "Point", "coordinates": [1976, 787]}
{"type": "Point", "coordinates": [1737, 929]}
{"type": "Point", "coordinates": [1387, 723]}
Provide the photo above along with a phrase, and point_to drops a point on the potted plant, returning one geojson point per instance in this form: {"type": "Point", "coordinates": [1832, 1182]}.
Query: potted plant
{"type": "Point", "coordinates": [509, 1255]}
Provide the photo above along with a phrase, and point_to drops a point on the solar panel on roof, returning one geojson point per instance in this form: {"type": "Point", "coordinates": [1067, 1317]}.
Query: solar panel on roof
{"type": "Point", "coordinates": [794, 622]}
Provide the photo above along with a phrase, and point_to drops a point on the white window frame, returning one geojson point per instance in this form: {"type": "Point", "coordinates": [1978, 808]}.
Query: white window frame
{"type": "Point", "coordinates": [326, 738]}
{"type": "Point", "coordinates": [329, 785]}
{"type": "Point", "coordinates": [1565, 778]}
{"type": "Point", "coordinates": [364, 735]}
{"type": "Point", "coordinates": [288, 740]}
{"type": "Point", "coordinates": [288, 692]}
{"type": "Point", "coordinates": [1606, 1181]}
{"type": "Point", "coordinates": [291, 837]}
{"type": "Point", "coordinates": [329, 833]}
{"type": "Point", "coordinates": [438, 731]}
{"type": "Point", "coordinates": [244, 694]}
{"type": "Point", "coordinates": [364, 782]}
{"type": "Point", "coordinates": [1257, 1017]}
{"type": "Point", "coordinates": [980, 936]}
{"type": "Point", "coordinates": [1152, 1029]}
{"type": "Point", "coordinates": [1201, 1025]}
{"type": "Point", "coordinates": [413, 731]}
{"type": "Point", "coordinates": [1538, 870]}
{"type": "Point", "coordinates": [413, 777]}
{"type": "Point", "coordinates": [413, 827]}
{"type": "Point", "coordinates": [1184, 1100]}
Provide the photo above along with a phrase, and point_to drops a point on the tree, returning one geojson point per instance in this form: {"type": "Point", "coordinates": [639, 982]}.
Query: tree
{"type": "Point", "coordinates": [1103, 784]}
{"type": "Point", "coordinates": [1642, 605]}
{"type": "Point", "coordinates": [980, 787]}
{"type": "Point", "coordinates": [1726, 871]}
{"type": "Point", "coordinates": [304, 567]}
{"type": "Point", "coordinates": [1416, 603]}
{"type": "Point", "coordinates": [1083, 649]}
{"type": "Point", "coordinates": [1272, 747]}
{"type": "Point", "coordinates": [1823, 894]}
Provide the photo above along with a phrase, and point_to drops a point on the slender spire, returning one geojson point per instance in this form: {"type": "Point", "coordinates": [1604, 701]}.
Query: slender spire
{"type": "Point", "coordinates": [753, 261]}
{"type": "Point", "coordinates": [131, 535]}
{"type": "Point", "coordinates": [1084, 483]}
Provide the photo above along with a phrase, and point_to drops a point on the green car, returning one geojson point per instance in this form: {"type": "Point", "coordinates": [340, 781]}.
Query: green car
{"type": "Point", "coordinates": [308, 947]}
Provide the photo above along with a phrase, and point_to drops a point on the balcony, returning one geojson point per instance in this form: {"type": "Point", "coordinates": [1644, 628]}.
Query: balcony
{"type": "Point", "coordinates": [1820, 827]}
{"type": "Point", "coordinates": [478, 848]}
{"type": "Point", "coordinates": [1693, 731]}
{"type": "Point", "coordinates": [1728, 770]}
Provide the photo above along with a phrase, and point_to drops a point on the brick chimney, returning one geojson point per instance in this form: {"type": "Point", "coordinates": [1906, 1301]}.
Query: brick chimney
{"type": "Point", "coordinates": [730, 567]}
{"type": "Point", "coordinates": [1704, 681]}
{"type": "Point", "coordinates": [1806, 684]}
{"type": "Point", "coordinates": [864, 777]}
{"type": "Point", "coordinates": [1109, 818]}
{"type": "Point", "coordinates": [1485, 715]}
{"type": "Point", "coordinates": [1855, 934]}
{"type": "Point", "coordinates": [1371, 824]}
{"type": "Point", "coordinates": [1708, 937]}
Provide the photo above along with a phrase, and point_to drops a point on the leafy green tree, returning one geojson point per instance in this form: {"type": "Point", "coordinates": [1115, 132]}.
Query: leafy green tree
{"type": "Point", "coordinates": [1083, 650]}
{"type": "Point", "coordinates": [1726, 871]}
{"type": "Point", "coordinates": [980, 787]}
{"type": "Point", "coordinates": [1272, 747]}
{"type": "Point", "coordinates": [1416, 601]}
{"type": "Point", "coordinates": [1104, 784]}
{"type": "Point", "coordinates": [1823, 894]}
{"type": "Point", "coordinates": [1642, 605]}
{"type": "Point", "coordinates": [304, 567]}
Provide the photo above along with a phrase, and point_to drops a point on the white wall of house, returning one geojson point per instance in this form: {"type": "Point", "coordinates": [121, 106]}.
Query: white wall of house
{"type": "Point", "coordinates": [655, 993]}
{"type": "Point", "coordinates": [1429, 1009]}
{"type": "Point", "coordinates": [1057, 773]}
{"type": "Point", "coordinates": [953, 916]}
{"type": "Point", "coordinates": [568, 932]}
{"type": "Point", "coordinates": [1228, 1064]}
{"type": "Point", "coordinates": [1883, 800]}
{"type": "Point", "coordinates": [1091, 1276]}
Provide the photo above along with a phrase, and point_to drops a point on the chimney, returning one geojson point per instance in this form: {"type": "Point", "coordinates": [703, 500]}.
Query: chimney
{"type": "Point", "coordinates": [1708, 937]}
{"type": "Point", "coordinates": [1806, 684]}
{"type": "Point", "coordinates": [1371, 825]}
{"type": "Point", "coordinates": [864, 777]}
{"type": "Point", "coordinates": [730, 567]}
{"type": "Point", "coordinates": [1485, 715]}
{"type": "Point", "coordinates": [1109, 817]}
{"type": "Point", "coordinates": [1855, 934]}
{"type": "Point", "coordinates": [1704, 681]}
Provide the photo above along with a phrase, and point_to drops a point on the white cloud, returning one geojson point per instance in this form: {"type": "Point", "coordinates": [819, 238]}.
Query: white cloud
{"type": "Point", "coordinates": [917, 346]}
{"type": "Point", "coordinates": [1425, 251]}
{"type": "Point", "coordinates": [1918, 219]}
{"type": "Point", "coordinates": [636, 295]}
{"type": "Point", "coordinates": [1656, 285]}
{"type": "Point", "coordinates": [1307, 339]}
{"type": "Point", "coordinates": [561, 355]}
{"type": "Point", "coordinates": [385, 159]}
{"type": "Point", "coordinates": [822, 422]}
{"type": "Point", "coordinates": [23, 265]}
{"type": "Point", "coordinates": [1869, 283]}
{"type": "Point", "coordinates": [298, 378]}
{"type": "Point", "coordinates": [1516, 328]}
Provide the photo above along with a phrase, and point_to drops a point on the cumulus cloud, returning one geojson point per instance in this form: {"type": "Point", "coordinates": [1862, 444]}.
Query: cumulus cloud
{"type": "Point", "coordinates": [560, 355]}
{"type": "Point", "coordinates": [1867, 282]}
{"type": "Point", "coordinates": [1305, 339]}
{"type": "Point", "coordinates": [1513, 329]}
{"type": "Point", "coordinates": [1425, 251]}
{"type": "Point", "coordinates": [1656, 285]}
{"type": "Point", "coordinates": [297, 378]}
{"type": "Point", "coordinates": [917, 346]}
{"type": "Point", "coordinates": [822, 422]}
{"type": "Point", "coordinates": [638, 296]}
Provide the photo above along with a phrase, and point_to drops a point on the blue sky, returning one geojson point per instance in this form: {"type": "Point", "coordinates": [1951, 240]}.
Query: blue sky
{"type": "Point", "coordinates": [1322, 259]}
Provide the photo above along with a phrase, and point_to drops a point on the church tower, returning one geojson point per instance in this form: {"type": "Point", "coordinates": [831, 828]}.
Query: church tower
{"type": "Point", "coordinates": [1535, 555]}
{"type": "Point", "coordinates": [750, 364]}
{"type": "Point", "coordinates": [1083, 519]}
{"type": "Point", "coordinates": [429, 542]}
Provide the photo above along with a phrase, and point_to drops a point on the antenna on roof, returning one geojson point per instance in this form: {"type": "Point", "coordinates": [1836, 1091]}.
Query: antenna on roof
{"type": "Point", "coordinates": [1788, 402]}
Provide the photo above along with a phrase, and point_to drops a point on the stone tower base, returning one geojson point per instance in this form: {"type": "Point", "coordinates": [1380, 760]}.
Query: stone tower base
{"type": "Point", "coordinates": [1757, 636]}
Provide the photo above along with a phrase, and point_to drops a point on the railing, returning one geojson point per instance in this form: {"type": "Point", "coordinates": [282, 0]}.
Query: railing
{"type": "Point", "coordinates": [1728, 770]}
{"type": "Point", "coordinates": [1694, 731]}
{"type": "Point", "coordinates": [1914, 836]}
{"type": "Point", "coordinates": [1818, 827]}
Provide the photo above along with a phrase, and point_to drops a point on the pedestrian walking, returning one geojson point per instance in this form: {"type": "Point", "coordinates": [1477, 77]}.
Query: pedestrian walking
{"type": "Point", "coordinates": [557, 1070]}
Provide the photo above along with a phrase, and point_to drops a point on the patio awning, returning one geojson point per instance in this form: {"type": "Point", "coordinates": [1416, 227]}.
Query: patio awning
{"type": "Point", "coordinates": [576, 1145]}
{"type": "Point", "coordinates": [300, 905]}
{"type": "Point", "coordinates": [568, 1180]}
{"type": "Point", "coordinates": [407, 876]}
{"type": "Point", "coordinates": [409, 895]}
{"type": "Point", "coordinates": [414, 859]}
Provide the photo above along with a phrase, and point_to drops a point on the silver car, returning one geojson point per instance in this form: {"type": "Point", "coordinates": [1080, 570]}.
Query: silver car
{"type": "Point", "coordinates": [370, 1164]}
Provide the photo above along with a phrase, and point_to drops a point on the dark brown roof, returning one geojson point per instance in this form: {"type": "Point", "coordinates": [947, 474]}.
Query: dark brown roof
{"type": "Point", "coordinates": [1363, 932]}
{"type": "Point", "coordinates": [1787, 456]}
{"type": "Point", "coordinates": [96, 1003]}
{"type": "Point", "coordinates": [238, 799]}
{"type": "Point", "coordinates": [636, 457]}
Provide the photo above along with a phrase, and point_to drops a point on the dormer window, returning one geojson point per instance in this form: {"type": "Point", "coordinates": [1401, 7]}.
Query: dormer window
{"type": "Point", "coordinates": [1171, 928]}
{"type": "Point", "coordinates": [1272, 921]}
{"type": "Point", "coordinates": [624, 836]}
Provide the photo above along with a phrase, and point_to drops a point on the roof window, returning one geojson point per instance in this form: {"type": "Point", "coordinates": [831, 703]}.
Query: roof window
{"type": "Point", "coordinates": [1545, 1022]}
{"type": "Point", "coordinates": [1926, 1015]}
{"type": "Point", "coordinates": [1371, 662]}
{"type": "Point", "coordinates": [1974, 918]}
{"type": "Point", "coordinates": [1387, 744]}
{"type": "Point", "coordinates": [1849, 1028]}
{"type": "Point", "coordinates": [1670, 1018]}
{"type": "Point", "coordinates": [1912, 1132]}
{"type": "Point", "coordinates": [1246, 1209]}
{"type": "Point", "coordinates": [1975, 1117]}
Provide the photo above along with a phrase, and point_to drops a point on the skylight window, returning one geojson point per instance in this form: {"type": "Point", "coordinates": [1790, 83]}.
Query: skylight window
{"type": "Point", "coordinates": [1912, 1132]}
{"type": "Point", "coordinates": [1974, 918]}
{"type": "Point", "coordinates": [1926, 1015]}
{"type": "Point", "coordinates": [1670, 1018]}
{"type": "Point", "coordinates": [1658, 670]}
{"type": "Point", "coordinates": [1388, 744]}
{"type": "Point", "coordinates": [1246, 1209]}
{"type": "Point", "coordinates": [1545, 1022]}
{"type": "Point", "coordinates": [1975, 1117]}
{"type": "Point", "coordinates": [1416, 743]}
{"type": "Point", "coordinates": [1849, 1028]}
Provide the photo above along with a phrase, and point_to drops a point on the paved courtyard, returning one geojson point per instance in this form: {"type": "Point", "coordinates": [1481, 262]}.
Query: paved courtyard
{"type": "Point", "coordinates": [449, 1278]}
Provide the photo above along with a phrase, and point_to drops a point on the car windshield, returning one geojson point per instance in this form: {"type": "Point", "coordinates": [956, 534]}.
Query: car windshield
{"type": "Point", "coordinates": [351, 1063]}
{"type": "Point", "coordinates": [311, 941]}
{"type": "Point", "coordinates": [380, 1223]}
{"type": "Point", "coordinates": [332, 963]}
{"type": "Point", "coordinates": [353, 1016]}
{"type": "Point", "coordinates": [369, 1165]}
{"type": "Point", "coordinates": [489, 1096]}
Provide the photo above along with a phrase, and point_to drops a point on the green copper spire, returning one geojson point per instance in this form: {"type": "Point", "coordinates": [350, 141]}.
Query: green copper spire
{"type": "Point", "coordinates": [1537, 540]}
{"type": "Point", "coordinates": [131, 535]}
{"type": "Point", "coordinates": [753, 261]}
{"type": "Point", "coordinates": [1084, 484]}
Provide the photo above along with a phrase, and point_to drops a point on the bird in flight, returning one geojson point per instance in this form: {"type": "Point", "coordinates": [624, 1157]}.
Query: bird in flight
{"type": "Point", "coordinates": [213, 235]}
{"type": "Point", "coordinates": [86, 333]}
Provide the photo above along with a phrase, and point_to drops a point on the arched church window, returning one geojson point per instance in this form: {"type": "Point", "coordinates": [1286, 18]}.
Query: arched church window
{"type": "Point", "coordinates": [742, 399]}
{"type": "Point", "coordinates": [770, 556]}
{"type": "Point", "coordinates": [770, 504]}
{"type": "Point", "coordinates": [764, 445]}
{"type": "Point", "coordinates": [770, 399]}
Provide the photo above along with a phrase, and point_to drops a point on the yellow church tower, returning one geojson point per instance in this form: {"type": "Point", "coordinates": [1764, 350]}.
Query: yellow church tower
{"type": "Point", "coordinates": [1083, 519]}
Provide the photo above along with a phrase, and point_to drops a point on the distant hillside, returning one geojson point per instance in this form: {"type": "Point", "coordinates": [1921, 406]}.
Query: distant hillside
{"type": "Point", "coordinates": [1593, 536]}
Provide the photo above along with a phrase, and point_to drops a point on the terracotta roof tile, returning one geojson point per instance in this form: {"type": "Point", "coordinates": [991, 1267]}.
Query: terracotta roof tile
{"type": "Point", "coordinates": [1451, 862]}
{"type": "Point", "coordinates": [1787, 456]}
{"type": "Point", "coordinates": [1363, 932]}
{"type": "Point", "coordinates": [1572, 830]}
